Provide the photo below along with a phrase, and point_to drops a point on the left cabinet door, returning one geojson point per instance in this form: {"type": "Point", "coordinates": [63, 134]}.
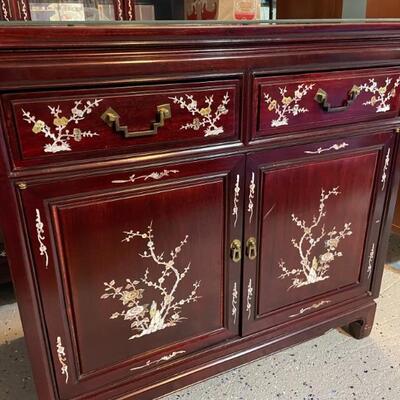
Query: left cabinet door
{"type": "Point", "coordinates": [134, 269]}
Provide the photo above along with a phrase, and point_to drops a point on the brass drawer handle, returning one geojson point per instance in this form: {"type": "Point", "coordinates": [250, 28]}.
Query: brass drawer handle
{"type": "Point", "coordinates": [112, 119]}
{"type": "Point", "coordinates": [236, 250]}
{"type": "Point", "coordinates": [251, 248]}
{"type": "Point", "coordinates": [322, 98]}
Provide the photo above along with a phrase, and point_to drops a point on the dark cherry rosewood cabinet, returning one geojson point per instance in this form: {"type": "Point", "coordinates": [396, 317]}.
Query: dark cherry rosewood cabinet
{"type": "Point", "coordinates": [179, 200]}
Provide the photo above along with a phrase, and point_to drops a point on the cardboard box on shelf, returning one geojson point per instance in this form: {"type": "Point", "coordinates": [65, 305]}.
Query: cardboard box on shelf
{"type": "Point", "coordinates": [223, 9]}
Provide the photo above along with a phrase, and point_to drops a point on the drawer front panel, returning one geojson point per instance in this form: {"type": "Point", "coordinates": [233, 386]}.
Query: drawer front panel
{"type": "Point", "coordinates": [49, 127]}
{"type": "Point", "coordinates": [283, 104]}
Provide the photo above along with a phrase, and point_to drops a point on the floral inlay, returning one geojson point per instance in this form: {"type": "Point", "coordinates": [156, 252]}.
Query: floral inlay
{"type": "Point", "coordinates": [335, 147]}
{"type": "Point", "coordinates": [252, 190]}
{"type": "Point", "coordinates": [249, 298]}
{"type": "Point", "coordinates": [62, 359]}
{"type": "Point", "coordinates": [381, 94]}
{"type": "Point", "coordinates": [206, 117]}
{"type": "Point", "coordinates": [313, 307]}
{"type": "Point", "coordinates": [234, 302]}
{"type": "Point", "coordinates": [385, 168]}
{"type": "Point", "coordinates": [41, 238]}
{"type": "Point", "coordinates": [4, 10]}
{"type": "Point", "coordinates": [154, 175]}
{"type": "Point", "coordinates": [315, 268]}
{"type": "Point", "coordinates": [146, 319]}
{"type": "Point", "coordinates": [24, 10]}
{"type": "Point", "coordinates": [62, 132]}
{"type": "Point", "coordinates": [288, 105]}
{"type": "Point", "coordinates": [235, 209]}
{"type": "Point", "coordinates": [371, 260]}
{"type": "Point", "coordinates": [119, 6]}
{"type": "Point", "coordinates": [155, 362]}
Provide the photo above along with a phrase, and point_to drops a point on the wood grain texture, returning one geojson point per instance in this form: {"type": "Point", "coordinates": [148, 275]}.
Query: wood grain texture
{"type": "Point", "coordinates": [65, 215]}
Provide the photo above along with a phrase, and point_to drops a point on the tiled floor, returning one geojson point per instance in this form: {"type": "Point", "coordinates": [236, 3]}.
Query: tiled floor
{"type": "Point", "coordinates": [332, 367]}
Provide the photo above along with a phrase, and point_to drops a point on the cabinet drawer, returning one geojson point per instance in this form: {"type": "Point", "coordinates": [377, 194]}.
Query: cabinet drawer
{"type": "Point", "coordinates": [53, 127]}
{"type": "Point", "coordinates": [299, 102]}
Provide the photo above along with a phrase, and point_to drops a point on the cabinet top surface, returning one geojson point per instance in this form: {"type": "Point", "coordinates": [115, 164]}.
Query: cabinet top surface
{"type": "Point", "coordinates": [30, 35]}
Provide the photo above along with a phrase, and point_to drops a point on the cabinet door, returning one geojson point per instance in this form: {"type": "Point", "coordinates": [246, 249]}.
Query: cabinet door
{"type": "Point", "coordinates": [312, 226]}
{"type": "Point", "coordinates": [134, 269]}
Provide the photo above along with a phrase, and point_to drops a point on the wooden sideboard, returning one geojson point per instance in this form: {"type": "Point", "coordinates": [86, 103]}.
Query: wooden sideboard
{"type": "Point", "coordinates": [179, 200]}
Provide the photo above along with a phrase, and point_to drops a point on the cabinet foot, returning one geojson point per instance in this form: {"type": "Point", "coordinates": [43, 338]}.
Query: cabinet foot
{"type": "Point", "coordinates": [362, 328]}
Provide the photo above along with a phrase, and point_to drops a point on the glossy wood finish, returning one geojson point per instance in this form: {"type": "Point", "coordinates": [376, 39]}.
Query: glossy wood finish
{"type": "Point", "coordinates": [290, 193]}
{"type": "Point", "coordinates": [64, 215]}
{"type": "Point", "coordinates": [298, 95]}
{"type": "Point", "coordinates": [194, 121]}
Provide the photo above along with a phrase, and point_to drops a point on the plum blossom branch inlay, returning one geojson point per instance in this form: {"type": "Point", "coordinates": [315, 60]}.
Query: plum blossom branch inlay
{"type": "Point", "coordinates": [235, 209]}
{"type": "Point", "coordinates": [155, 362]}
{"type": "Point", "coordinates": [41, 238]}
{"type": "Point", "coordinates": [61, 135]}
{"type": "Point", "coordinates": [154, 175]}
{"type": "Point", "coordinates": [313, 307]}
{"type": "Point", "coordinates": [381, 95]}
{"type": "Point", "coordinates": [234, 302]}
{"type": "Point", "coordinates": [315, 268]}
{"type": "Point", "coordinates": [249, 298]}
{"type": "Point", "coordinates": [204, 117]}
{"type": "Point", "coordinates": [385, 168]}
{"type": "Point", "coordinates": [62, 359]}
{"type": "Point", "coordinates": [335, 147]}
{"type": "Point", "coordinates": [287, 105]}
{"type": "Point", "coordinates": [371, 260]}
{"type": "Point", "coordinates": [252, 190]}
{"type": "Point", "coordinates": [146, 319]}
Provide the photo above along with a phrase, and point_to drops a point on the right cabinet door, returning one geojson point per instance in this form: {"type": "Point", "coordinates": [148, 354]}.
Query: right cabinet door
{"type": "Point", "coordinates": [312, 226]}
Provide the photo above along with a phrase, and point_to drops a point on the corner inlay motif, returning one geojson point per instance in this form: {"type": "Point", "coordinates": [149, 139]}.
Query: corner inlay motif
{"type": "Point", "coordinates": [164, 311]}
{"type": "Point", "coordinates": [315, 268]}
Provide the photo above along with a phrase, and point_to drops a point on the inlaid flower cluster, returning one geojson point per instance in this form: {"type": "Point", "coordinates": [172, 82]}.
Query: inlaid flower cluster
{"type": "Point", "coordinates": [206, 117]}
{"type": "Point", "coordinates": [288, 104]}
{"type": "Point", "coordinates": [381, 94]}
{"type": "Point", "coordinates": [62, 133]}
{"type": "Point", "coordinates": [314, 268]}
{"type": "Point", "coordinates": [164, 311]}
